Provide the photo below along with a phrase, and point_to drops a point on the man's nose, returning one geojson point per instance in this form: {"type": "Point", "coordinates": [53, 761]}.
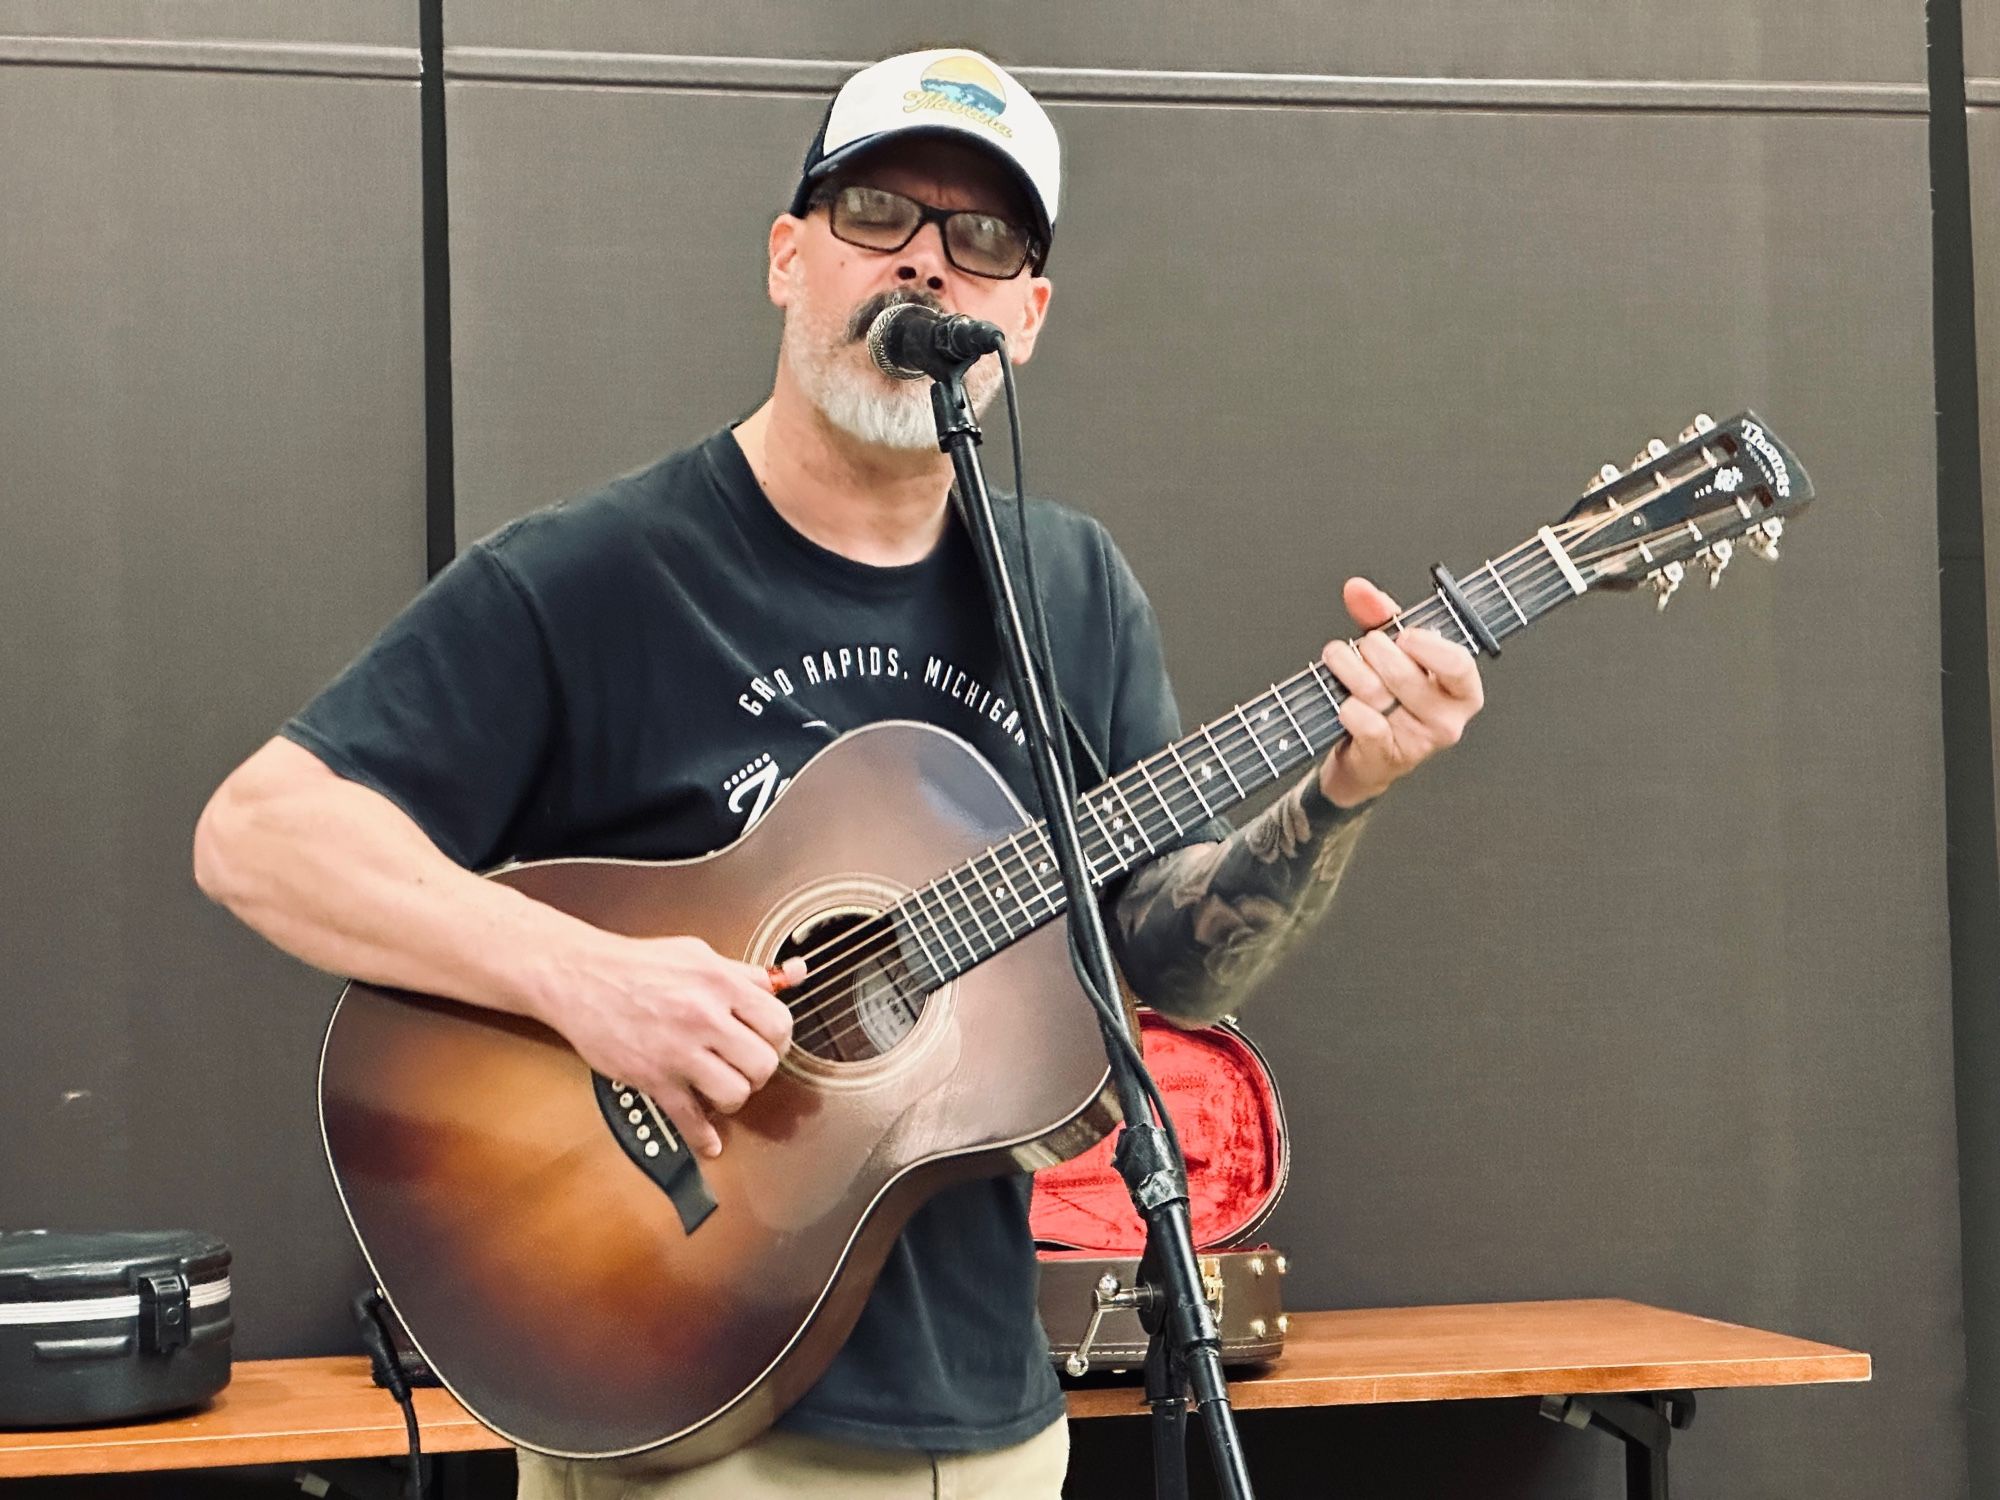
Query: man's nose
{"type": "Point", "coordinates": [923, 259]}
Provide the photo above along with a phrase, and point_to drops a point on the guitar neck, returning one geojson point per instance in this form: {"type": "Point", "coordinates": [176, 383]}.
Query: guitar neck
{"type": "Point", "coordinates": [973, 911]}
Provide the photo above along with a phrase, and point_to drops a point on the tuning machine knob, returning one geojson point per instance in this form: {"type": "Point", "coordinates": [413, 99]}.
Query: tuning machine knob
{"type": "Point", "coordinates": [1664, 581]}
{"type": "Point", "coordinates": [1702, 422]}
{"type": "Point", "coordinates": [1602, 477]}
{"type": "Point", "coordinates": [1715, 557]}
{"type": "Point", "coordinates": [1762, 539]}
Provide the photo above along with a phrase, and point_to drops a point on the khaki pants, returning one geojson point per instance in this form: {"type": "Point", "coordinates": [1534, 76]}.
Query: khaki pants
{"type": "Point", "coordinates": [783, 1466]}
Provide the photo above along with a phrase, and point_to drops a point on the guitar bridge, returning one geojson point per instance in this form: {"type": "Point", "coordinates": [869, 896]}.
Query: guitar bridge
{"type": "Point", "coordinates": [655, 1148]}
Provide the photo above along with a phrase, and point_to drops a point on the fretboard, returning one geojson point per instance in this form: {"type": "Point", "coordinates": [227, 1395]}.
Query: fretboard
{"type": "Point", "coordinates": [971, 912]}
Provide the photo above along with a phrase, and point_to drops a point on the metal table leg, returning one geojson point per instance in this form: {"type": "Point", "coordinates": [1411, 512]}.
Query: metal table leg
{"type": "Point", "coordinates": [1644, 1423]}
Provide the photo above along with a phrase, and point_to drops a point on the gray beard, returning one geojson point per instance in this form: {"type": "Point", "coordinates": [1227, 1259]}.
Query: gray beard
{"type": "Point", "coordinates": [865, 404]}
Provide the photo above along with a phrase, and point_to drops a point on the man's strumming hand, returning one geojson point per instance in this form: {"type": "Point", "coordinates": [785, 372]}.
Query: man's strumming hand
{"type": "Point", "coordinates": [674, 1018]}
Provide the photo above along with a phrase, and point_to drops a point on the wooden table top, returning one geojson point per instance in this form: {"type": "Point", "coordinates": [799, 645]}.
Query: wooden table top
{"type": "Point", "coordinates": [294, 1410]}
{"type": "Point", "coordinates": [1374, 1355]}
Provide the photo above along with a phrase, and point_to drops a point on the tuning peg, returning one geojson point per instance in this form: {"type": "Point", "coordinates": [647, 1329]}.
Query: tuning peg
{"type": "Point", "coordinates": [1665, 580]}
{"type": "Point", "coordinates": [1715, 557]}
{"type": "Point", "coordinates": [1763, 540]}
{"type": "Point", "coordinates": [1601, 478]}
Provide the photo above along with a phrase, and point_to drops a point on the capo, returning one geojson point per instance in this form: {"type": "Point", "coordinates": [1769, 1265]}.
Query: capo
{"type": "Point", "coordinates": [1461, 606]}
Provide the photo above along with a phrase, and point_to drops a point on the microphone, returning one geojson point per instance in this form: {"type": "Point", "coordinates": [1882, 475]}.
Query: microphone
{"type": "Point", "coordinates": [909, 341]}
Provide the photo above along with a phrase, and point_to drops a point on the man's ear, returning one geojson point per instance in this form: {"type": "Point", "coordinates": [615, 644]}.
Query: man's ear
{"type": "Point", "coordinates": [1035, 307]}
{"type": "Point", "coordinates": [784, 253]}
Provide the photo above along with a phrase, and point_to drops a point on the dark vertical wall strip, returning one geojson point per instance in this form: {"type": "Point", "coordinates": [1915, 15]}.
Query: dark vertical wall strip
{"type": "Point", "coordinates": [1971, 871]}
{"type": "Point", "coordinates": [440, 503]}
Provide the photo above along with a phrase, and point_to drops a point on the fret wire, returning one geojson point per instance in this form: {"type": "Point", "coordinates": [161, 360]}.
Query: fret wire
{"type": "Point", "coordinates": [978, 921]}
{"type": "Point", "coordinates": [1042, 850]}
{"type": "Point", "coordinates": [1257, 742]}
{"type": "Point", "coordinates": [924, 906]}
{"type": "Point", "coordinates": [1157, 797]}
{"type": "Point", "coordinates": [1193, 785]}
{"type": "Point", "coordinates": [1495, 605]}
{"type": "Point", "coordinates": [918, 933]}
{"type": "Point", "coordinates": [1505, 592]}
{"type": "Point", "coordinates": [986, 889]}
{"type": "Point", "coordinates": [1464, 633]}
{"type": "Point", "coordinates": [1319, 674]}
{"type": "Point", "coordinates": [971, 948]}
{"type": "Point", "coordinates": [1137, 822]}
{"type": "Point", "coordinates": [1110, 844]}
{"type": "Point", "coordinates": [1208, 734]}
{"type": "Point", "coordinates": [1014, 886]}
{"type": "Point", "coordinates": [1046, 854]}
{"type": "Point", "coordinates": [1304, 738]}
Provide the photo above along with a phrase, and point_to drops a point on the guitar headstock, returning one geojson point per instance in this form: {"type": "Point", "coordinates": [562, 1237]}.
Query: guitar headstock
{"type": "Point", "coordinates": [1693, 500]}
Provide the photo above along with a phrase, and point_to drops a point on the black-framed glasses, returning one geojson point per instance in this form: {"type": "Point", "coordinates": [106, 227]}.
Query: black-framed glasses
{"type": "Point", "coordinates": [980, 244]}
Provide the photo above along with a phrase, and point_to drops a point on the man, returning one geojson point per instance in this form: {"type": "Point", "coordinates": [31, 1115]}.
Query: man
{"type": "Point", "coordinates": [640, 673]}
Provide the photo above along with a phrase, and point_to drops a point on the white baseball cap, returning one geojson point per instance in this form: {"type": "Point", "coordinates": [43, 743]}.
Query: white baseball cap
{"type": "Point", "coordinates": [952, 92]}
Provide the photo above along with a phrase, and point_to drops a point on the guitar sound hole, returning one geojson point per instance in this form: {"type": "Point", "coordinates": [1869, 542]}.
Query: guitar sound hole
{"type": "Point", "coordinates": [860, 1001]}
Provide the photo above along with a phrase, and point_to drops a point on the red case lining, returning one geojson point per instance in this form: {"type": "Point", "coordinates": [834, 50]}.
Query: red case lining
{"type": "Point", "coordinates": [1225, 1105]}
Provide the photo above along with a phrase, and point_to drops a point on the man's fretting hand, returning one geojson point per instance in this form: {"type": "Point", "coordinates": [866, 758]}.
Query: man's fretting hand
{"type": "Point", "coordinates": [1413, 694]}
{"type": "Point", "coordinates": [674, 1018]}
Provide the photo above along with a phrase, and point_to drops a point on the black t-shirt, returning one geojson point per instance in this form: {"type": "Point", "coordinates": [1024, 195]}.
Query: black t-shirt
{"type": "Point", "coordinates": [638, 674]}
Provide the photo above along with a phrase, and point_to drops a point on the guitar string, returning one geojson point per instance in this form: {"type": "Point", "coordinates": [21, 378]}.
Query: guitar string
{"type": "Point", "coordinates": [878, 937]}
{"type": "Point", "coordinates": [888, 937]}
{"type": "Point", "coordinates": [1543, 585]}
{"type": "Point", "coordinates": [826, 952]}
{"type": "Point", "coordinates": [881, 930]}
{"type": "Point", "coordinates": [1234, 739]}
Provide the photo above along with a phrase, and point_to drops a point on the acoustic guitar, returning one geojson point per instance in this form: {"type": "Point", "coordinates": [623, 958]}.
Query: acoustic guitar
{"type": "Point", "coordinates": [588, 1288]}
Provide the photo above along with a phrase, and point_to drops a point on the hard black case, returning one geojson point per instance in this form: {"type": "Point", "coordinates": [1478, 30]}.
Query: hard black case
{"type": "Point", "coordinates": [105, 1327]}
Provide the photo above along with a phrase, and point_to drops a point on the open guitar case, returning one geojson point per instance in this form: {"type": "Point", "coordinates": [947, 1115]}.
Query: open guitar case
{"type": "Point", "coordinates": [1232, 1127]}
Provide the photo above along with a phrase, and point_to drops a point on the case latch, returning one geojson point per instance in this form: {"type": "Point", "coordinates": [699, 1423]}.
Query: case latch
{"type": "Point", "coordinates": [163, 1312]}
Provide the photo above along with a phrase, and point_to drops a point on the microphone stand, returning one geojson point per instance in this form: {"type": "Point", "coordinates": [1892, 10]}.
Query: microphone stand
{"type": "Point", "coordinates": [1183, 1352]}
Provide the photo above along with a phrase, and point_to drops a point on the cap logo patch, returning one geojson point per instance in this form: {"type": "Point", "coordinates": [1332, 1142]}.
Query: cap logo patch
{"type": "Point", "coordinates": [962, 86]}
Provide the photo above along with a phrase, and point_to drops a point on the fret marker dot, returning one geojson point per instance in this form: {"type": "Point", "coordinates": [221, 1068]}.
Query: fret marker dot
{"type": "Point", "coordinates": [1283, 741]}
{"type": "Point", "coordinates": [1207, 772]}
{"type": "Point", "coordinates": [1128, 841]}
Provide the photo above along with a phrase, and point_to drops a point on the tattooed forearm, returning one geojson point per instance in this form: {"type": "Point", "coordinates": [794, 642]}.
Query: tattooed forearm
{"type": "Point", "coordinates": [1197, 929]}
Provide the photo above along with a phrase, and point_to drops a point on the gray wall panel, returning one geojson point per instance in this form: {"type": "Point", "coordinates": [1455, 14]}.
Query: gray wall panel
{"type": "Point", "coordinates": [1643, 991]}
{"type": "Point", "coordinates": [382, 23]}
{"type": "Point", "coordinates": [1982, 39]}
{"type": "Point", "coordinates": [211, 411]}
{"type": "Point", "coordinates": [1850, 40]}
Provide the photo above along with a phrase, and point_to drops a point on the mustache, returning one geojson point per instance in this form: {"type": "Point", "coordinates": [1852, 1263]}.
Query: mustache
{"type": "Point", "coordinates": [873, 308]}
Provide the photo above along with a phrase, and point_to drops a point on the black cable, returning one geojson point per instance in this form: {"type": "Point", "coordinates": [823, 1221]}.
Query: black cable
{"type": "Point", "coordinates": [1042, 658]}
{"type": "Point", "coordinates": [374, 1325]}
